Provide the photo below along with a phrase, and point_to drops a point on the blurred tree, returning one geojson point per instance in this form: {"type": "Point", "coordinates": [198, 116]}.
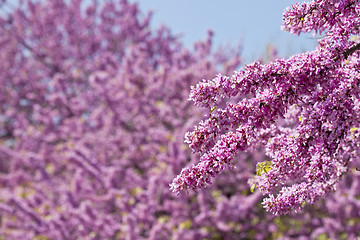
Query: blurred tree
{"type": "Point", "coordinates": [93, 115]}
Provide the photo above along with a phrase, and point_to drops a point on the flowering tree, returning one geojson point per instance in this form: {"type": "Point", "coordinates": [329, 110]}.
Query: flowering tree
{"type": "Point", "coordinates": [93, 112]}
{"type": "Point", "coordinates": [304, 110]}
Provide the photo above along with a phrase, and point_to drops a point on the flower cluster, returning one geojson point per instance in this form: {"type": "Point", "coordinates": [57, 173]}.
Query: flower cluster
{"type": "Point", "coordinates": [303, 110]}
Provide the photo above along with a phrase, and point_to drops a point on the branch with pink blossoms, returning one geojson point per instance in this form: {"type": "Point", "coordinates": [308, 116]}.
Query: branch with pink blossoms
{"type": "Point", "coordinates": [308, 105]}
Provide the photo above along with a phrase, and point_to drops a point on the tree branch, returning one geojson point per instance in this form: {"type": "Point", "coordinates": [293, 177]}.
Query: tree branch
{"type": "Point", "coordinates": [351, 50]}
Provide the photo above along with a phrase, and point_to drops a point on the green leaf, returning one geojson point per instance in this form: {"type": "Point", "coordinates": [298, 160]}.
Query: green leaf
{"type": "Point", "coordinates": [353, 129]}
{"type": "Point", "coordinates": [267, 164]}
{"type": "Point", "coordinates": [212, 109]}
{"type": "Point", "coordinates": [186, 224]}
{"type": "Point", "coordinates": [252, 188]}
{"type": "Point", "coordinates": [258, 171]}
{"type": "Point", "coordinates": [263, 167]}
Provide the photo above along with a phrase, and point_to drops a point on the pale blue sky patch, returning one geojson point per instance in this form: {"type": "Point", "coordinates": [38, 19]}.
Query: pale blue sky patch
{"type": "Point", "coordinates": [255, 23]}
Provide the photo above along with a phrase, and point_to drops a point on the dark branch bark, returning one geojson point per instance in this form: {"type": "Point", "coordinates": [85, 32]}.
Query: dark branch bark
{"type": "Point", "coordinates": [351, 50]}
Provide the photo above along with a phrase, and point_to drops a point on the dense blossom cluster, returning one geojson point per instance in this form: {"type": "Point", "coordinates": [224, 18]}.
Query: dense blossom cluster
{"type": "Point", "coordinates": [304, 110]}
{"type": "Point", "coordinates": [93, 114]}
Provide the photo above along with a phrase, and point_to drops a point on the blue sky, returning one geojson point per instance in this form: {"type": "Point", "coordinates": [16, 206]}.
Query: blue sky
{"type": "Point", "coordinates": [254, 23]}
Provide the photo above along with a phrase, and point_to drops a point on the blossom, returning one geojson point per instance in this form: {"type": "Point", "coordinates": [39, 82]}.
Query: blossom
{"type": "Point", "coordinates": [308, 149]}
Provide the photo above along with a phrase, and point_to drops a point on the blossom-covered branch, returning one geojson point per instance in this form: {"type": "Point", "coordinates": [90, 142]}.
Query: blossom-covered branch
{"type": "Point", "coordinates": [307, 104]}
